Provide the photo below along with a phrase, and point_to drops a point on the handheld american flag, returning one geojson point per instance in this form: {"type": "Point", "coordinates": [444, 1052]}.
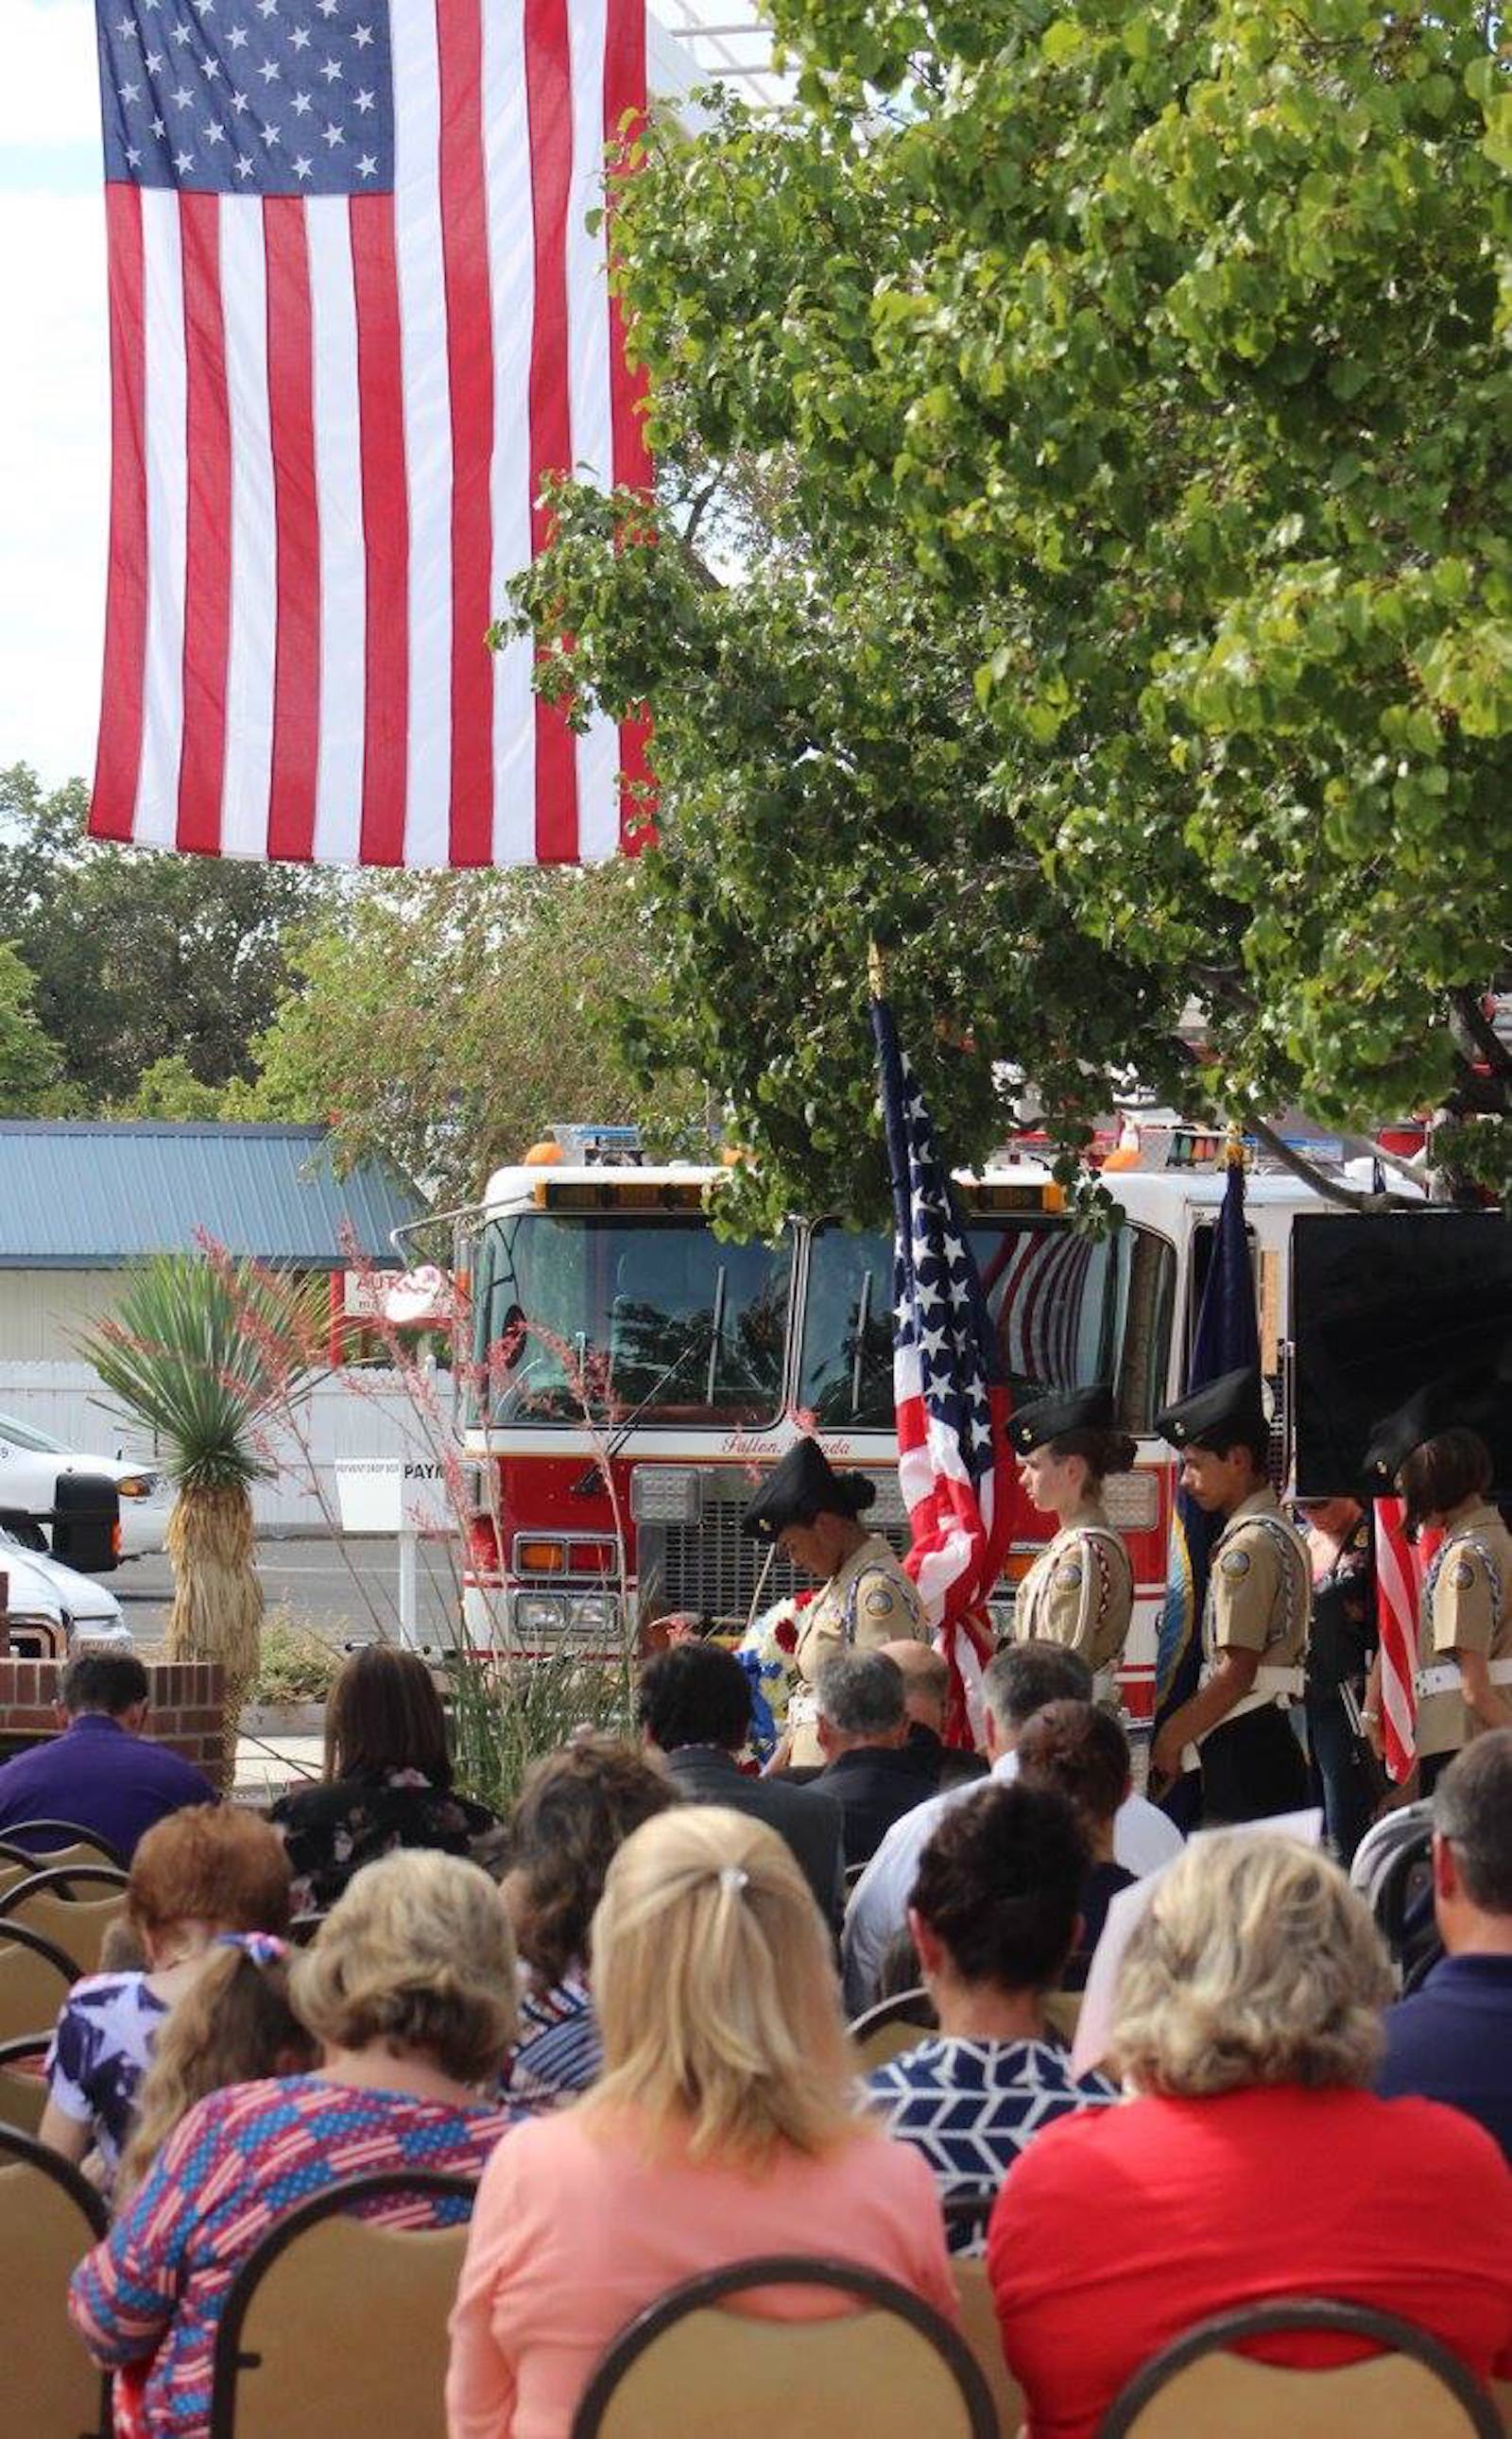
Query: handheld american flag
{"type": "Point", "coordinates": [357, 317]}
{"type": "Point", "coordinates": [1401, 1570]}
{"type": "Point", "coordinates": [950, 1388]}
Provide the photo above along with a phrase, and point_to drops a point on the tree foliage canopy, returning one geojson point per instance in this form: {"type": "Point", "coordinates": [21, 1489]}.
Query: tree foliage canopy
{"type": "Point", "coordinates": [446, 1021]}
{"type": "Point", "coordinates": [139, 956]}
{"type": "Point", "coordinates": [1129, 383]}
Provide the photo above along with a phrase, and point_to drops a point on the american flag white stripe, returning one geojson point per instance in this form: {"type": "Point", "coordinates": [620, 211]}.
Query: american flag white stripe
{"type": "Point", "coordinates": [378, 398]}
{"type": "Point", "coordinates": [511, 258]}
{"type": "Point", "coordinates": [339, 475]}
{"type": "Point", "coordinates": [427, 435]}
{"type": "Point", "coordinates": [1401, 1570]}
{"type": "Point", "coordinates": [254, 577]}
{"type": "Point", "coordinates": [166, 518]}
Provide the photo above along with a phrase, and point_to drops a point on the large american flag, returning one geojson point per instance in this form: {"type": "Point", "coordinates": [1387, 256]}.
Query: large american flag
{"type": "Point", "coordinates": [1402, 1570]}
{"type": "Point", "coordinates": [357, 316]}
{"type": "Point", "coordinates": [954, 1463]}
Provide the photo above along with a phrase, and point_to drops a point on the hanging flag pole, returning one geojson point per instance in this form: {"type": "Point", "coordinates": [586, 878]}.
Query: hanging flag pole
{"type": "Point", "coordinates": [950, 1385]}
{"type": "Point", "coordinates": [1227, 1337]}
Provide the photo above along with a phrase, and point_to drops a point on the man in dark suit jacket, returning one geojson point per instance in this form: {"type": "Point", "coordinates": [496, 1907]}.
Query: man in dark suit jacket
{"type": "Point", "coordinates": [870, 1767]}
{"type": "Point", "coordinates": [694, 1706]}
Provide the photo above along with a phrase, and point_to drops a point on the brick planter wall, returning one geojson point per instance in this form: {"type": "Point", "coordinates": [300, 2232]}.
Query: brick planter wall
{"type": "Point", "coordinates": [188, 1713]}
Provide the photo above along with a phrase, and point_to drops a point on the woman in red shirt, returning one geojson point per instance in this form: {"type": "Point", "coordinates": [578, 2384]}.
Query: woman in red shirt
{"type": "Point", "coordinates": [1252, 2161]}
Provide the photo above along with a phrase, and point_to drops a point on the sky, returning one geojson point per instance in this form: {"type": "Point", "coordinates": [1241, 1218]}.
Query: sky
{"type": "Point", "coordinates": [54, 389]}
{"type": "Point", "coordinates": [55, 381]}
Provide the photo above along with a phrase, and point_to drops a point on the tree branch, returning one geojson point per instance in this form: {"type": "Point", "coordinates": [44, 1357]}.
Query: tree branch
{"type": "Point", "coordinates": [1319, 1178]}
{"type": "Point", "coordinates": [1476, 1037]}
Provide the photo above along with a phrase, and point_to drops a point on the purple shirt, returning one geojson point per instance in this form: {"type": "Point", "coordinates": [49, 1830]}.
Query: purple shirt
{"type": "Point", "coordinates": [101, 1778]}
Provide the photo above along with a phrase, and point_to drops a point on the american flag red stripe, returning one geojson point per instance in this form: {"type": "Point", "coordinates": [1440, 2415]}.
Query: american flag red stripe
{"type": "Point", "coordinates": [333, 408]}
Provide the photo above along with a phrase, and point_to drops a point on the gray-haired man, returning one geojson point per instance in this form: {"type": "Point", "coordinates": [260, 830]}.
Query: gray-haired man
{"type": "Point", "coordinates": [873, 1771]}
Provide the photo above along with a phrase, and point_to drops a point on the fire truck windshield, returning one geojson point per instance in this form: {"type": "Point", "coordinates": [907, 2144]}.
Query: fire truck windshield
{"type": "Point", "coordinates": [1068, 1310]}
{"type": "Point", "coordinates": [624, 1313]}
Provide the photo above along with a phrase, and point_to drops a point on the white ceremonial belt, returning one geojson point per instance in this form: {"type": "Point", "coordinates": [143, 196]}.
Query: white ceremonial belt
{"type": "Point", "coordinates": [1445, 1676]}
{"type": "Point", "coordinates": [1272, 1686]}
{"type": "Point", "coordinates": [803, 1707]}
{"type": "Point", "coordinates": [1105, 1686]}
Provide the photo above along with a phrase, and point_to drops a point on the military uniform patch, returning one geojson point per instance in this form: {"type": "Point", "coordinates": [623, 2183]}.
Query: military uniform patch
{"type": "Point", "coordinates": [1069, 1575]}
{"type": "Point", "coordinates": [1234, 1563]}
{"type": "Point", "coordinates": [879, 1601]}
{"type": "Point", "coordinates": [1463, 1576]}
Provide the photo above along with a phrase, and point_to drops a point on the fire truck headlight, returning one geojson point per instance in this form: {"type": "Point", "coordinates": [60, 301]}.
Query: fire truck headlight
{"type": "Point", "coordinates": [540, 1614]}
{"type": "Point", "coordinates": [595, 1613]}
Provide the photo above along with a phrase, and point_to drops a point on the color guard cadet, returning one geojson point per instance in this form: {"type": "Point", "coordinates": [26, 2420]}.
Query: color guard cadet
{"type": "Point", "coordinates": [1255, 1617]}
{"type": "Point", "coordinates": [810, 1511]}
{"type": "Point", "coordinates": [1080, 1589]}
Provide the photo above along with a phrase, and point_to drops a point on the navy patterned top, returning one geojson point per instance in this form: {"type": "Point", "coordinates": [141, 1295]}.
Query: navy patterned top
{"type": "Point", "coordinates": [102, 2048]}
{"type": "Point", "coordinates": [558, 2052]}
{"type": "Point", "coordinates": [970, 2107]}
{"type": "Point", "coordinates": [333, 1827]}
{"type": "Point", "coordinates": [154, 2288]}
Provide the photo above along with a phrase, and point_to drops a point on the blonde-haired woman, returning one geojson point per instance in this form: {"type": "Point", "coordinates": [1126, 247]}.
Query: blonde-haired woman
{"type": "Point", "coordinates": [409, 1990]}
{"type": "Point", "coordinates": [724, 2125]}
{"type": "Point", "coordinates": [1255, 2161]}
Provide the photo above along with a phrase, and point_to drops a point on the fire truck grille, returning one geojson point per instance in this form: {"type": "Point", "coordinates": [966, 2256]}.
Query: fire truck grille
{"type": "Point", "coordinates": [712, 1570]}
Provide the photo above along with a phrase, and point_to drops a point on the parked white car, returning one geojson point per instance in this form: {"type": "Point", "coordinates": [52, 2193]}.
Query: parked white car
{"type": "Point", "coordinates": [41, 1586]}
{"type": "Point", "coordinates": [30, 1462]}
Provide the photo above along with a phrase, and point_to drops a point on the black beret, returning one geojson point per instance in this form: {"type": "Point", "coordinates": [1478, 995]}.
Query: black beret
{"type": "Point", "coordinates": [1467, 1397]}
{"type": "Point", "coordinates": [804, 1486]}
{"type": "Point", "coordinates": [1063, 1410]}
{"type": "Point", "coordinates": [1214, 1417]}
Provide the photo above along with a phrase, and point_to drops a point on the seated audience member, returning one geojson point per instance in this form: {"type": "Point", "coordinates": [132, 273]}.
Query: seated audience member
{"type": "Point", "coordinates": [388, 1781]}
{"type": "Point", "coordinates": [103, 1774]}
{"type": "Point", "coordinates": [409, 1990]}
{"type": "Point", "coordinates": [1016, 1684]}
{"type": "Point", "coordinates": [575, 1809]}
{"type": "Point", "coordinates": [1254, 2162]}
{"type": "Point", "coordinates": [1080, 1749]}
{"type": "Point", "coordinates": [1451, 2040]}
{"type": "Point", "coordinates": [236, 2023]}
{"type": "Point", "coordinates": [994, 1915]}
{"type": "Point", "coordinates": [723, 2126]}
{"type": "Point", "coordinates": [203, 1871]}
{"type": "Point", "coordinates": [926, 1697]}
{"type": "Point", "coordinates": [694, 1706]}
{"type": "Point", "coordinates": [870, 1769]}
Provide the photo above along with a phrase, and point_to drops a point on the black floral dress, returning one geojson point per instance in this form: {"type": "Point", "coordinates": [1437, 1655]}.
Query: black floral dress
{"type": "Point", "coordinates": [332, 1829]}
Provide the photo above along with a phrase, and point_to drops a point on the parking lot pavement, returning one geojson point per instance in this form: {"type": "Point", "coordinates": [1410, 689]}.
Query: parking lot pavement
{"type": "Point", "coordinates": [338, 1586]}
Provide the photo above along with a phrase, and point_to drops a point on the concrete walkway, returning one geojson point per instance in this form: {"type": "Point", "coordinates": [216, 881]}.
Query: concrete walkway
{"type": "Point", "coordinates": [268, 1766]}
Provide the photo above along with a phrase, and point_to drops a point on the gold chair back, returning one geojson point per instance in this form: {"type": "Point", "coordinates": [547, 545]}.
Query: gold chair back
{"type": "Point", "coordinates": [48, 2220]}
{"type": "Point", "coordinates": [34, 1982]}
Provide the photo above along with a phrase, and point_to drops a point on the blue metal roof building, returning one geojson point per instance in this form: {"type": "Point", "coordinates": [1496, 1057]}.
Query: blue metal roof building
{"type": "Point", "coordinates": [81, 1201]}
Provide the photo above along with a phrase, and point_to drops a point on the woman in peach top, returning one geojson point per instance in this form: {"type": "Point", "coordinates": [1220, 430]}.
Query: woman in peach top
{"type": "Point", "coordinates": [724, 2126]}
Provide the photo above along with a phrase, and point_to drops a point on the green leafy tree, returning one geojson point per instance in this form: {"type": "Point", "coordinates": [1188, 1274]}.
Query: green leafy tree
{"type": "Point", "coordinates": [446, 1021]}
{"type": "Point", "coordinates": [28, 1061]}
{"type": "Point", "coordinates": [1136, 624]}
{"type": "Point", "coordinates": [140, 955]}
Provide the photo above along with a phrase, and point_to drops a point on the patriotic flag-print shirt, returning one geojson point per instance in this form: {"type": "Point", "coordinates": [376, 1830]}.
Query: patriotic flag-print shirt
{"type": "Point", "coordinates": [154, 2286]}
{"type": "Point", "coordinates": [101, 2051]}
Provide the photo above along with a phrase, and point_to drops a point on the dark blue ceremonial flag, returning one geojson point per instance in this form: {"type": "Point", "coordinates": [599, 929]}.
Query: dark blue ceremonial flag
{"type": "Point", "coordinates": [1227, 1336]}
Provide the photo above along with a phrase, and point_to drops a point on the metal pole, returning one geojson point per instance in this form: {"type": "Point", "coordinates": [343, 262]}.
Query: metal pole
{"type": "Point", "coordinates": [408, 1587]}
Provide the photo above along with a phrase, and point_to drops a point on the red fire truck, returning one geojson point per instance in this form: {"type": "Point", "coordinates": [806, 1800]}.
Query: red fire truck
{"type": "Point", "coordinates": [632, 1375]}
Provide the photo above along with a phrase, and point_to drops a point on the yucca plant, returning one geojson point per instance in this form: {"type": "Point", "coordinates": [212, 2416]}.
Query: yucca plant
{"type": "Point", "coordinates": [205, 1351]}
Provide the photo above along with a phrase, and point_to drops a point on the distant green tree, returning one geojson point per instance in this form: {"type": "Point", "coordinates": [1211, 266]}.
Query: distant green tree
{"type": "Point", "coordinates": [28, 1061]}
{"type": "Point", "coordinates": [141, 956]}
{"type": "Point", "coordinates": [447, 1020]}
{"type": "Point", "coordinates": [170, 1088]}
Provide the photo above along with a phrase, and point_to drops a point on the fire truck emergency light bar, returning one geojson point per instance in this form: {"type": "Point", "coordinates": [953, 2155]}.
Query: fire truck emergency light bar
{"type": "Point", "coordinates": [624, 1194]}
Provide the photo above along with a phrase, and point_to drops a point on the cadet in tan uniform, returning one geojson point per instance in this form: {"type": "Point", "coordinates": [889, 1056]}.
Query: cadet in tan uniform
{"type": "Point", "coordinates": [811, 1512]}
{"type": "Point", "coordinates": [1080, 1589]}
{"type": "Point", "coordinates": [1443, 1470]}
{"type": "Point", "coordinates": [1255, 1617]}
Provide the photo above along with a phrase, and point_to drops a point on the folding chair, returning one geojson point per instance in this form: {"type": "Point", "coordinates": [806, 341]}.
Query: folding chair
{"type": "Point", "coordinates": [334, 2328]}
{"type": "Point", "coordinates": [23, 2084]}
{"type": "Point", "coordinates": [892, 2026]}
{"type": "Point", "coordinates": [1410, 2388]}
{"type": "Point", "coordinates": [48, 2219]}
{"type": "Point", "coordinates": [979, 2316]}
{"type": "Point", "coordinates": [890, 2366]}
{"type": "Point", "coordinates": [79, 1845]}
{"type": "Point", "coordinates": [52, 1902]}
{"type": "Point", "coordinates": [35, 1978]}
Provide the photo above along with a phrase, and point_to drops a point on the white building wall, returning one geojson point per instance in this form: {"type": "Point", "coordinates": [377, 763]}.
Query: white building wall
{"type": "Point", "coordinates": [44, 1313]}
